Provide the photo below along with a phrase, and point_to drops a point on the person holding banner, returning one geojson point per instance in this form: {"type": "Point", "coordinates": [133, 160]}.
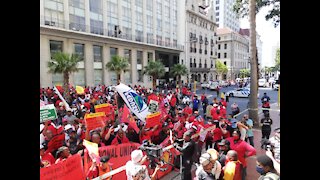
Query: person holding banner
{"type": "Point", "coordinates": [100, 169]}
{"type": "Point", "coordinates": [120, 137]}
{"type": "Point", "coordinates": [62, 154]}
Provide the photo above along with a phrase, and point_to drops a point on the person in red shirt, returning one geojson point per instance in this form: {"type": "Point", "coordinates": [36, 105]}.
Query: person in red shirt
{"type": "Point", "coordinates": [187, 110]}
{"type": "Point", "coordinates": [47, 158]}
{"type": "Point", "coordinates": [100, 169]}
{"type": "Point", "coordinates": [54, 128]}
{"type": "Point", "coordinates": [217, 136]}
{"type": "Point", "coordinates": [120, 138]}
{"type": "Point", "coordinates": [223, 102]}
{"type": "Point", "coordinates": [63, 153]}
{"type": "Point", "coordinates": [243, 149]}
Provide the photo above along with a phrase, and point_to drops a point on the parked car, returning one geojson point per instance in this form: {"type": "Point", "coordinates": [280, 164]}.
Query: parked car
{"type": "Point", "coordinates": [223, 83]}
{"type": "Point", "coordinates": [205, 85]}
{"type": "Point", "coordinates": [262, 83]}
{"type": "Point", "coordinates": [213, 85]}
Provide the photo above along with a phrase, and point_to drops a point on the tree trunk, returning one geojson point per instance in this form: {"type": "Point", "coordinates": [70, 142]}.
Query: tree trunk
{"type": "Point", "coordinates": [180, 84]}
{"type": "Point", "coordinates": [154, 82]}
{"type": "Point", "coordinates": [66, 93]}
{"type": "Point", "coordinates": [253, 102]}
{"type": "Point", "coordinates": [118, 78]}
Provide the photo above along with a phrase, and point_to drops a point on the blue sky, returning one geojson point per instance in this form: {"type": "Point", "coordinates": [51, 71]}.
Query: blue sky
{"type": "Point", "coordinates": [270, 36]}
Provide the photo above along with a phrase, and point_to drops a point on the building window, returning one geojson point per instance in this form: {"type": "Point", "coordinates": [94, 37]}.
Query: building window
{"type": "Point", "coordinates": [79, 77]}
{"type": "Point", "coordinates": [55, 46]}
{"type": "Point", "coordinates": [140, 76]}
{"type": "Point", "coordinates": [150, 56]}
{"type": "Point", "coordinates": [98, 76]}
{"type": "Point", "coordinates": [97, 53]}
{"type": "Point", "coordinates": [225, 62]}
{"type": "Point", "coordinates": [79, 50]}
{"type": "Point", "coordinates": [217, 8]}
{"type": "Point", "coordinates": [219, 38]}
{"type": "Point", "coordinates": [225, 46]}
{"type": "Point", "coordinates": [225, 55]}
{"type": "Point", "coordinates": [219, 46]}
{"type": "Point", "coordinates": [113, 51]}
{"type": "Point", "coordinates": [139, 57]}
{"type": "Point", "coordinates": [218, 55]}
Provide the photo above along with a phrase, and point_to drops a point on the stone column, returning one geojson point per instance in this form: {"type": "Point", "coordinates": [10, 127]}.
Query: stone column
{"type": "Point", "coordinates": [106, 58]}
{"type": "Point", "coordinates": [134, 72]}
{"type": "Point", "coordinates": [87, 15]}
{"type": "Point", "coordinates": [89, 74]}
{"type": "Point", "coordinates": [45, 77]}
{"type": "Point", "coordinates": [66, 13]}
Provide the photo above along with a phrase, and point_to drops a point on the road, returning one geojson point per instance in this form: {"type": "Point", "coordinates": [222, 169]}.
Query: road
{"type": "Point", "coordinates": [242, 102]}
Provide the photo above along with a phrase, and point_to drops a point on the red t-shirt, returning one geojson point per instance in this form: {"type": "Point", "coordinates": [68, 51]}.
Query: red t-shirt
{"type": "Point", "coordinates": [54, 130]}
{"type": "Point", "coordinates": [187, 110]}
{"type": "Point", "coordinates": [87, 105]}
{"type": "Point", "coordinates": [217, 134]}
{"type": "Point", "coordinates": [173, 101]}
{"type": "Point", "coordinates": [148, 135]}
{"type": "Point", "coordinates": [242, 148]}
{"type": "Point", "coordinates": [124, 139]}
{"type": "Point", "coordinates": [48, 159]}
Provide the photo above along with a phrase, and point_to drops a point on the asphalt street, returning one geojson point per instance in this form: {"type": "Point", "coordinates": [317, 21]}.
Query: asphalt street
{"type": "Point", "coordinates": [242, 102]}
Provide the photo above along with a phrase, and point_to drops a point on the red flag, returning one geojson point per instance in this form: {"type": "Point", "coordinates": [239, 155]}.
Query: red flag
{"type": "Point", "coordinates": [125, 115]}
{"type": "Point", "coordinates": [133, 124]}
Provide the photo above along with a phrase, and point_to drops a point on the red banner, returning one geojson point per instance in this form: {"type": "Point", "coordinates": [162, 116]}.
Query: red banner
{"type": "Point", "coordinates": [152, 120]}
{"type": "Point", "coordinates": [107, 109]}
{"type": "Point", "coordinates": [95, 120]}
{"type": "Point", "coordinates": [71, 168]}
{"type": "Point", "coordinates": [56, 142]}
{"type": "Point", "coordinates": [119, 156]}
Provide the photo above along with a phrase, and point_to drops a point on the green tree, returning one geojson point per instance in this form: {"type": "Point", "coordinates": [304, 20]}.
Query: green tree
{"type": "Point", "coordinates": [241, 8]}
{"type": "Point", "coordinates": [154, 69]}
{"type": "Point", "coordinates": [277, 60]}
{"type": "Point", "coordinates": [221, 69]}
{"type": "Point", "coordinates": [179, 70]}
{"type": "Point", "coordinates": [244, 73]}
{"type": "Point", "coordinates": [65, 64]}
{"type": "Point", "coordinates": [119, 65]}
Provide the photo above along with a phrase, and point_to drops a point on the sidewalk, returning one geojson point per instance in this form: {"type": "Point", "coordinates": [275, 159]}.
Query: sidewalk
{"type": "Point", "coordinates": [251, 161]}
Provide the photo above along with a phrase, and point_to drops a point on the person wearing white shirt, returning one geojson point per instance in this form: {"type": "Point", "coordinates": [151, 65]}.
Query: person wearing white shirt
{"type": "Point", "coordinates": [209, 168]}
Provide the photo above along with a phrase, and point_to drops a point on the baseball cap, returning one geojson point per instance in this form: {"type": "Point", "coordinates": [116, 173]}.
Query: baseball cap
{"type": "Point", "coordinates": [213, 154]}
{"type": "Point", "coordinates": [104, 159]}
{"type": "Point", "coordinates": [136, 156]}
{"type": "Point", "coordinates": [223, 142]}
{"type": "Point", "coordinates": [68, 126]}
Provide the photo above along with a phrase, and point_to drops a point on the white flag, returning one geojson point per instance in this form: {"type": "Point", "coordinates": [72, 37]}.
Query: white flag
{"type": "Point", "coordinates": [134, 102]}
{"type": "Point", "coordinates": [60, 96]}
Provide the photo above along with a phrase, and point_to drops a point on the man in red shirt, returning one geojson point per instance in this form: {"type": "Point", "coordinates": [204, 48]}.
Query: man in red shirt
{"type": "Point", "coordinates": [187, 110]}
{"type": "Point", "coordinates": [120, 138]}
{"type": "Point", "coordinates": [47, 158]}
{"type": "Point", "coordinates": [243, 149]}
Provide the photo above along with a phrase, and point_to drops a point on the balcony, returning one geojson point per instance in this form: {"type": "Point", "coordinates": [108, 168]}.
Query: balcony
{"type": "Point", "coordinates": [199, 69]}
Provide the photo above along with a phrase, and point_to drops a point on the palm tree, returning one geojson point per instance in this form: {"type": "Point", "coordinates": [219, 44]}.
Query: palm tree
{"type": "Point", "coordinates": [253, 103]}
{"type": "Point", "coordinates": [65, 64]}
{"type": "Point", "coordinates": [221, 69]}
{"type": "Point", "coordinates": [179, 70]}
{"type": "Point", "coordinates": [154, 69]}
{"type": "Point", "coordinates": [118, 64]}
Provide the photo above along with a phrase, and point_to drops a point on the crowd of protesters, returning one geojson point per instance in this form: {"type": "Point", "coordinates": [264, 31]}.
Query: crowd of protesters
{"type": "Point", "coordinates": [224, 148]}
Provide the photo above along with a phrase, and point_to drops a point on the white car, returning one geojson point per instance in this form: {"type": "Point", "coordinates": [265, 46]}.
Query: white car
{"type": "Point", "coordinates": [241, 92]}
{"type": "Point", "coordinates": [205, 85]}
{"type": "Point", "coordinates": [213, 86]}
{"type": "Point", "coordinates": [262, 83]}
{"type": "Point", "coordinates": [223, 83]}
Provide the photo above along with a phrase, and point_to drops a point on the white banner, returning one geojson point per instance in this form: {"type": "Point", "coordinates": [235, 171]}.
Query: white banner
{"type": "Point", "coordinates": [133, 101]}
{"type": "Point", "coordinates": [60, 96]}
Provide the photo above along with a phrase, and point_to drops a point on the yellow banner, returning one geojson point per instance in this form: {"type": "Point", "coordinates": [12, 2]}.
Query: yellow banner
{"type": "Point", "coordinates": [102, 105]}
{"type": "Point", "coordinates": [92, 115]}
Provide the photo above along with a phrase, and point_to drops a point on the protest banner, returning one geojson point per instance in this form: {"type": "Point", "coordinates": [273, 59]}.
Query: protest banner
{"type": "Point", "coordinates": [152, 120]}
{"type": "Point", "coordinates": [56, 142]}
{"type": "Point", "coordinates": [119, 155]}
{"type": "Point", "coordinates": [79, 90]}
{"type": "Point", "coordinates": [95, 120]}
{"type": "Point", "coordinates": [134, 102]}
{"type": "Point", "coordinates": [93, 149]}
{"type": "Point", "coordinates": [71, 168]}
{"type": "Point", "coordinates": [107, 109]}
{"type": "Point", "coordinates": [153, 106]}
{"type": "Point", "coordinates": [47, 112]}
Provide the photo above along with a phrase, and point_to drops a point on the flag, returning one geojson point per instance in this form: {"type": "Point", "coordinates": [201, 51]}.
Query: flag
{"type": "Point", "coordinates": [79, 90]}
{"type": "Point", "coordinates": [60, 96]}
{"type": "Point", "coordinates": [42, 103]}
{"type": "Point", "coordinates": [125, 115]}
{"type": "Point", "coordinates": [134, 102]}
{"type": "Point", "coordinates": [133, 124]}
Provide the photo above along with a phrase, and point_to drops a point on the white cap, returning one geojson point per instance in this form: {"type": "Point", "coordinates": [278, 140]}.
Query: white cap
{"type": "Point", "coordinates": [205, 159]}
{"type": "Point", "coordinates": [61, 104]}
{"type": "Point", "coordinates": [136, 156]}
{"type": "Point", "coordinates": [68, 126]}
{"type": "Point", "coordinates": [215, 105]}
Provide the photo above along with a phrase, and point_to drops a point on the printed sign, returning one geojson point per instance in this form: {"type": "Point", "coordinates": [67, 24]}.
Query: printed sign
{"type": "Point", "coordinates": [95, 120]}
{"type": "Point", "coordinates": [153, 106]}
{"type": "Point", "coordinates": [71, 168]}
{"type": "Point", "coordinates": [47, 112]}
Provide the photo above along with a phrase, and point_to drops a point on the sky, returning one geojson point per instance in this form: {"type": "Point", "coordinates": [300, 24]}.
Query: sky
{"type": "Point", "coordinates": [270, 36]}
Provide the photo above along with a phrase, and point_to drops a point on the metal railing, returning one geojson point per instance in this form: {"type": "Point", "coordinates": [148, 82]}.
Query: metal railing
{"type": "Point", "coordinates": [62, 24]}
